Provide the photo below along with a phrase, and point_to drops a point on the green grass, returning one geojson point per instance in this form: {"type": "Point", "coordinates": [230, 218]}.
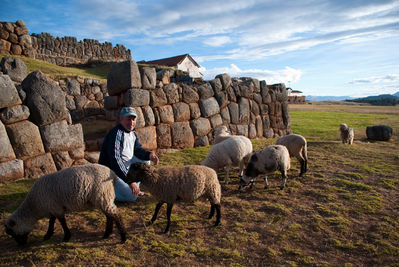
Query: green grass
{"type": "Point", "coordinates": [343, 212]}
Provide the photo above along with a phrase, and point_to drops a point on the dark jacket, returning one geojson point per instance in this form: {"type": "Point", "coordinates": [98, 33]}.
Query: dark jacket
{"type": "Point", "coordinates": [111, 151]}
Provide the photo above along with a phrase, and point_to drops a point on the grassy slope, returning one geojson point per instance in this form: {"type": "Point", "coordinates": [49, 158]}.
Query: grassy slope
{"type": "Point", "coordinates": [343, 211]}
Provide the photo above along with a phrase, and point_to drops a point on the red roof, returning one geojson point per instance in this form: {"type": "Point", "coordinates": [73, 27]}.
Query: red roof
{"type": "Point", "coordinates": [171, 61]}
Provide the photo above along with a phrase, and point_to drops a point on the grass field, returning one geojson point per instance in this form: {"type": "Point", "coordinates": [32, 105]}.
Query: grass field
{"type": "Point", "coordinates": [343, 212]}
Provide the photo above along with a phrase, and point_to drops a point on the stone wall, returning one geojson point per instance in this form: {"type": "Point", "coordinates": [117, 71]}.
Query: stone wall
{"type": "Point", "coordinates": [296, 99]}
{"type": "Point", "coordinates": [37, 136]}
{"type": "Point", "coordinates": [63, 51]}
{"type": "Point", "coordinates": [181, 115]}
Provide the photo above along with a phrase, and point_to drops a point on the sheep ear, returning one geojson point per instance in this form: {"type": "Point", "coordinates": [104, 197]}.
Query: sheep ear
{"type": "Point", "coordinates": [254, 158]}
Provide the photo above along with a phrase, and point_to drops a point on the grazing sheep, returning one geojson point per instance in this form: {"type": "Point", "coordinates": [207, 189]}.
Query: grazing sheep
{"type": "Point", "coordinates": [221, 134]}
{"type": "Point", "coordinates": [347, 134]}
{"type": "Point", "coordinates": [72, 189]}
{"type": "Point", "coordinates": [235, 150]}
{"type": "Point", "coordinates": [297, 147]}
{"type": "Point", "coordinates": [171, 184]}
{"type": "Point", "coordinates": [268, 160]}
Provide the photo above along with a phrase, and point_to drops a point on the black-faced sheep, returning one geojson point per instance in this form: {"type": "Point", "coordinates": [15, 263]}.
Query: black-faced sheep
{"type": "Point", "coordinates": [297, 147]}
{"type": "Point", "coordinates": [347, 134]}
{"type": "Point", "coordinates": [73, 189]}
{"type": "Point", "coordinates": [268, 160]}
{"type": "Point", "coordinates": [172, 184]}
{"type": "Point", "coordinates": [235, 150]}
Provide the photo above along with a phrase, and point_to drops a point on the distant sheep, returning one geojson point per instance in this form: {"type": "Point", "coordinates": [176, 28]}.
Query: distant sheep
{"type": "Point", "coordinates": [72, 189]}
{"type": "Point", "coordinates": [347, 134]}
{"type": "Point", "coordinates": [235, 150]}
{"type": "Point", "coordinates": [171, 184]}
{"type": "Point", "coordinates": [266, 161]}
{"type": "Point", "coordinates": [297, 147]}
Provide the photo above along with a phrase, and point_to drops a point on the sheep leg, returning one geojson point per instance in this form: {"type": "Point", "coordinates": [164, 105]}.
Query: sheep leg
{"type": "Point", "coordinates": [67, 233]}
{"type": "Point", "coordinates": [226, 179]}
{"type": "Point", "coordinates": [212, 211]}
{"type": "Point", "coordinates": [284, 177]}
{"type": "Point", "coordinates": [266, 182]}
{"type": "Point", "coordinates": [121, 227]}
{"type": "Point", "coordinates": [218, 214]}
{"type": "Point", "coordinates": [168, 213]}
{"type": "Point", "coordinates": [50, 230]}
{"type": "Point", "coordinates": [109, 226]}
{"type": "Point", "coordinates": [154, 217]}
{"type": "Point", "coordinates": [302, 162]}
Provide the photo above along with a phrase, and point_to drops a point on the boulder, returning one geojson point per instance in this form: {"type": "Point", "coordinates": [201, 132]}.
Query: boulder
{"type": "Point", "coordinates": [77, 153]}
{"type": "Point", "coordinates": [195, 111]}
{"type": "Point", "coordinates": [122, 76]}
{"type": "Point", "coordinates": [181, 111]}
{"type": "Point", "coordinates": [111, 102]}
{"type": "Point", "coordinates": [252, 131]}
{"type": "Point", "coordinates": [73, 87]}
{"type": "Point", "coordinates": [137, 98]}
{"type": "Point", "coordinates": [225, 80]}
{"type": "Point", "coordinates": [182, 135]}
{"type": "Point", "coordinates": [205, 90]}
{"type": "Point", "coordinates": [163, 76]}
{"type": "Point", "coordinates": [11, 170]}
{"type": "Point", "coordinates": [200, 126]}
{"type": "Point", "coordinates": [158, 98]}
{"type": "Point", "coordinates": [243, 104]}
{"type": "Point", "coordinates": [8, 93]}
{"type": "Point", "coordinates": [25, 139]}
{"type": "Point", "coordinates": [166, 114]}
{"type": "Point", "coordinates": [259, 126]}
{"type": "Point", "coordinates": [92, 157]}
{"type": "Point", "coordinates": [60, 136]}
{"type": "Point", "coordinates": [80, 101]}
{"type": "Point", "coordinates": [225, 114]}
{"type": "Point", "coordinates": [62, 160]}
{"type": "Point", "coordinates": [148, 114]}
{"type": "Point", "coordinates": [14, 114]}
{"type": "Point", "coordinates": [242, 129]}
{"type": "Point", "coordinates": [209, 107]}
{"type": "Point", "coordinates": [140, 120]}
{"type": "Point", "coordinates": [189, 95]}
{"type": "Point", "coordinates": [147, 137]}
{"type": "Point", "coordinates": [148, 77]}
{"type": "Point", "coordinates": [201, 141]}
{"type": "Point", "coordinates": [45, 99]}
{"type": "Point", "coordinates": [38, 166]}
{"type": "Point", "coordinates": [70, 102]}
{"type": "Point", "coordinates": [164, 138]}
{"type": "Point", "coordinates": [216, 85]}
{"type": "Point", "coordinates": [379, 132]}
{"type": "Point", "coordinates": [234, 113]}
{"type": "Point", "coordinates": [172, 93]}
{"type": "Point", "coordinates": [6, 151]}
{"type": "Point", "coordinates": [14, 67]}
{"type": "Point", "coordinates": [216, 121]}
{"type": "Point", "coordinates": [222, 99]}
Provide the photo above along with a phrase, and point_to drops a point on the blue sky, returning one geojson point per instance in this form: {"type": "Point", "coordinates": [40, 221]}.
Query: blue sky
{"type": "Point", "coordinates": [337, 48]}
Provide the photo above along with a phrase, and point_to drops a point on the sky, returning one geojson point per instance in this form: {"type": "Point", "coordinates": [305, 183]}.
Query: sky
{"type": "Point", "coordinates": [320, 47]}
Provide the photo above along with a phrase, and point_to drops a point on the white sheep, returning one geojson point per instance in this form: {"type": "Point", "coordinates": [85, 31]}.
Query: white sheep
{"type": "Point", "coordinates": [297, 147]}
{"type": "Point", "coordinates": [221, 134]}
{"type": "Point", "coordinates": [347, 134]}
{"type": "Point", "coordinates": [235, 150]}
{"type": "Point", "coordinates": [266, 161]}
{"type": "Point", "coordinates": [171, 184]}
{"type": "Point", "coordinates": [72, 189]}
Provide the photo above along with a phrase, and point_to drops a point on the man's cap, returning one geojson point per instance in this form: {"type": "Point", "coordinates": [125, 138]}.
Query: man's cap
{"type": "Point", "coordinates": [128, 111]}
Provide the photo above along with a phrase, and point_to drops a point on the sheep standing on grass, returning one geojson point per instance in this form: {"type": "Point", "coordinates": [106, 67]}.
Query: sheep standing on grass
{"type": "Point", "coordinates": [235, 150]}
{"type": "Point", "coordinates": [347, 134]}
{"type": "Point", "coordinates": [171, 184]}
{"type": "Point", "coordinates": [73, 189]}
{"type": "Point", "coordinates": [268, 160]}
{"type": "Point", "coordinates": [297, 147]}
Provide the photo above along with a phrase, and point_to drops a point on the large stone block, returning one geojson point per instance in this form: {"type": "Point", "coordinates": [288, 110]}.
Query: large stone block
{"type": "Point", "coordinates": [205, 90]}
{"type": "Point", "coordinates": [158, 98]}
{"type": "Point", "coordinates": [209, 107]}
{"type": "Point", "coordinates": [259, 126]}
{"type": "Point", "coordinates": [222, 99]}
{"type": "Point", "coordinates": [111, 102]}
{"type": "Point", "coordinates": [195, 111]}
{"type": "Point", "coordinates": [122, 76]}
{"type": "Point", "coordinates": [137, 98]}
{"type": "Point", "coordinates": [14, 67]}
{"type": "Point", "coordinates": [8, 93]}
{"type": "Point", "coordinates": [60, 136]}
{"type": "Point", "coordinates": [201, 141]}
{"type": "Point", "coordinates": [163, 76]}
{"type": "Point", "coordinates": [164, 138]}
{"type": "Point", "coordinates": [189, 95]}
{"type": "Point", "coordinates": [243, 104]}
{"type": "Point", "coordinates": [148, 114]}
{"type": "Point", "coordinates": [73, 87]}
{"type": "Point", "coordinates": [6, 151]}
{"type": "Point", "coordinates": [45, 99]}
{"type": "Point", "coordinates": [11, 170]}
{"type": "Point", "coordinates": [234, 113]}
{"type": "Point", "coordinates": [25, 139]}
{"type": "Point", "coordinates": [201, 126]}
{"type": "Point", "coordinates": [216, 85]}
{"type": "Point", "coordinates": [62, 160]}
{"type": "Point", "coordinates": [140, 120]}
{"type": "Point", "coordinates": [225, 80]}
{"type": "Point", "coordinates": [148, 77]}
{"type": "Point", "coordinates": [166, 114]}
{"type": "Point", "coordinates": [14, 114]}
{"type": "Point", "coordinates": [181, 111]}
{"type": "Point", "coordinates": [182, 135]}
{"type": "Point", "coordinates": [242, 129]}
{"type": "Point", "coordinates": [216, 121]}
{"type": "Point", "coordinates": [172, 93]}
{"type": "Point", "coordinates": [38, 166]}
{"type": "Point", "coordinates": [225, 114]}
{"type": "Point", "coordinates": [252, 131]}
{"type": "Point", "coordinates": [148, 137]}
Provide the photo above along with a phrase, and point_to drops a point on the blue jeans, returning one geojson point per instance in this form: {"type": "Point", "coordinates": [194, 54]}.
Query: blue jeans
{"type": "Point", "coordinates": [123, 192]}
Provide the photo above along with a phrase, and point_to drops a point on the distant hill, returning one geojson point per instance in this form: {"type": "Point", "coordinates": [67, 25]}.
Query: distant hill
{"type": "Point", "coordinates": [379, 100]}
{"type": "Point", "coordinates": [327, 98]}
{"type": "Point", "coordinates": [396, 94]}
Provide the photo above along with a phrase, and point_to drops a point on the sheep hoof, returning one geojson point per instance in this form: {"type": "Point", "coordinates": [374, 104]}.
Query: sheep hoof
{"type": "Point", "coordinates": [149, 223]}
{"type": "Point", "coordinates": [266, 187]}
{"type": "Point", "coordinates": [123, 239]}
{"type": "Point", "coordinates": [166, 232]}
{"type": "Point", "coordinates": [281, 187]}
{"type": "Point", "coordinates": [67, 237]}
{"type": "Point", "coordinates": [47, 237]}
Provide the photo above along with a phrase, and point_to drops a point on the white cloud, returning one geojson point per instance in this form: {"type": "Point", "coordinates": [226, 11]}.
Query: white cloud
{"type": "Point", "coordinates": [286, 75]}
{"type": "Point", "coordinates": [217, 40]}
{"type": "Point", "coordinates": [381, 79]}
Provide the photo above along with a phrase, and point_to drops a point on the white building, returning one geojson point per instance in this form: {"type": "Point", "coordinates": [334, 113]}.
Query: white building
{"type": "Point", "coordinates": [183, 62]}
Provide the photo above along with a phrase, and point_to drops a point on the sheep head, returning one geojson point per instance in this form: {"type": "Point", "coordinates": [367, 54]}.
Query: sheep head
{"type": "Point", "coordinates": [15, 230]}
{"type": "Point", "coordinates": [139, 172]}
{"type": "Point", "coordinates": [343, 127]}
{"type": "Point", "coordinates": [222, 131]}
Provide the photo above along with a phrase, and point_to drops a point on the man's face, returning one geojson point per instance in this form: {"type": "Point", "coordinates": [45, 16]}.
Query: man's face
{"type": "Point", "coordinates": [128, 122]}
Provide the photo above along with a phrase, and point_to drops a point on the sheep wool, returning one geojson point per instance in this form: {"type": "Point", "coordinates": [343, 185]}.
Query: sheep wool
{"type": "Point", "coordinates": [266, 161]}
{"type": "Point", "coordinates": [72, 189]}
{"type": "Point", "coordinates": [171, 184]}
{"type": "Point", "coordinates": [221, 134]}
{"type": "Point", "coordinates": [347, 134]}
{"type": "Point", "coordinates": [235, 150]}
{"type": "Point", "coordinates": [297, 147]}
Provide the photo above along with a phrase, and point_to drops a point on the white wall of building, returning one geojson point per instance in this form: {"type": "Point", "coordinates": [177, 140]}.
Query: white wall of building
{"type": "Point", "coordinates": [188, 66]}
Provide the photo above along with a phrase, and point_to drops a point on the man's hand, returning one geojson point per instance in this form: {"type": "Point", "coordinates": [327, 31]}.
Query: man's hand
{"type": "Point", "coordinates": [135, 188]}
{"type": "Point", "coordinates": [154, 158]}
